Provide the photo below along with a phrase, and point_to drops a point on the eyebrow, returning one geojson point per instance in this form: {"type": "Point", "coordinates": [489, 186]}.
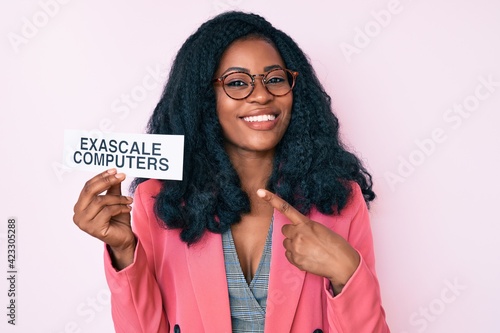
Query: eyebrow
{"type": "Point", "coordinates": [268, 68]}
{"type": "Point", "coordinates": [246, 70]}
{"type": "Point", "coordinates": [236, 69]}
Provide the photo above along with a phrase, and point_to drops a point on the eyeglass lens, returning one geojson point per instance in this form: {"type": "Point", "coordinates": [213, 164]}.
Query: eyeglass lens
{"type": "Point", "coordinates": [239, 85]}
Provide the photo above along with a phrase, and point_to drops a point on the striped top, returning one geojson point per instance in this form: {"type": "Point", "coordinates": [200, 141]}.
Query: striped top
{"type": "Point", "coordinates": [247, 302]}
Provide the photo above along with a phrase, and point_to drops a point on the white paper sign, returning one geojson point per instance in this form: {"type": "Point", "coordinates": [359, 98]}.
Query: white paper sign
{"type": "Point", "coordinates": [137, 155]}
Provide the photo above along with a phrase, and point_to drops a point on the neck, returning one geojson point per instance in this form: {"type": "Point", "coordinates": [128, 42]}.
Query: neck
{"type": "Point", "coordinates": [254, 170]}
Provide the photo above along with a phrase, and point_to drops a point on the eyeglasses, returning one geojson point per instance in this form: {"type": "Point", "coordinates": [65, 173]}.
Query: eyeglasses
{"type": "Point", "coordinates": [239, 85]}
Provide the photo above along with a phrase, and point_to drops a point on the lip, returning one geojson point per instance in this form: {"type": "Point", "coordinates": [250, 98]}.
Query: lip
{"type": "Point", "coordinates": [261, 112]}
{"type": "Point", "coordinates": [262, 125]}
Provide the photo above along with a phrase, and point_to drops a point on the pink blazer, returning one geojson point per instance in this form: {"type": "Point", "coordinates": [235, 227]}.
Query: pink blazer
{"type": "Point", "coordinates": [171, 287]}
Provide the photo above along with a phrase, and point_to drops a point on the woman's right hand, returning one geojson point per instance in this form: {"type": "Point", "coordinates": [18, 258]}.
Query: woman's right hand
{"type": "Point", "coordinates": [107, 217]}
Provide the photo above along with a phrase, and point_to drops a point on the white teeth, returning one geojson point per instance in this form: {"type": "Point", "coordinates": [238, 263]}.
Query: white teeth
{"type": "Point", "coordinates": [265, 117]}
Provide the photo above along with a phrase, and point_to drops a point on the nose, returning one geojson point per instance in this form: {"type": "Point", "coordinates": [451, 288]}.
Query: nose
{"type": "Point", "coordinates": [259, 93]}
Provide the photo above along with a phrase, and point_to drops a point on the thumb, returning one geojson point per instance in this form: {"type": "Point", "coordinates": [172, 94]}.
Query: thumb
{"type": "Point", "coordinates": [284, 207]}
{"type": "Point", "coordinates": [116, 189]}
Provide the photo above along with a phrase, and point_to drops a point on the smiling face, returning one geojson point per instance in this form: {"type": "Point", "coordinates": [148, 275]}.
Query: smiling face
{"type": "Point", "coordinates": [258, 122]}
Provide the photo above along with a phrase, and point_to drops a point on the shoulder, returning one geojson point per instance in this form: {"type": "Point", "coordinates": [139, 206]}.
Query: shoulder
{"type": "Point", "coordinates": [143, 207]}
{"type": "Point", "coordinates": [353, 215]}
{"type": "Point", "coordinates": [356, 201]}
{"type": "Point", "coordinates": [356, 195]}
{"type": "Point", "coordinates": [354, 204]}
{"type": "Point", "coordinates": [149, 188]}
{"type": "Point", "coordinates": [145, 194]}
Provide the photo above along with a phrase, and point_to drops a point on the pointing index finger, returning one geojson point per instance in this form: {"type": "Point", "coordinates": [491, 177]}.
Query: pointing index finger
{"type": "Point", "coordinates": [284, 207]}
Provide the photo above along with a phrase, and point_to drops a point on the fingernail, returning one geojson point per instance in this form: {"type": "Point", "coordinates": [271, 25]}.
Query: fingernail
{"type": "Point", "coordinates": [111, 171]}
{"type": "Point", "coordinates": [120, 175]}
{"type": "Point", "coordinates": [130, 199]}
{"type": "Point", "coordinates": [261, 193]}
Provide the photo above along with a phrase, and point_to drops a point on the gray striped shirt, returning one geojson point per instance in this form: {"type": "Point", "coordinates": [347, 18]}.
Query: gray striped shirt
{"type": "Point", "coordinates": [247, 302]}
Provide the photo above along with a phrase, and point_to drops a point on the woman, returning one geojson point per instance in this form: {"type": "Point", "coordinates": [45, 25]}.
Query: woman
{"type": "Point", "coordinates": [219, 251]}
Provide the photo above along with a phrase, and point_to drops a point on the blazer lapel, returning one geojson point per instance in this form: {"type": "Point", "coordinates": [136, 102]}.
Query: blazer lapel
{"type": "Point", "coordinates": [285, 283]}
{"type": "Point", "coordinates": [208, 276]}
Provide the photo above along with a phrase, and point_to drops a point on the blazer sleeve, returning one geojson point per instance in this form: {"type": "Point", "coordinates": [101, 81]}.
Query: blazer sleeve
{"type": "Point", "coordinates": [358, 308]}
{"type": "Point", "coordinates": [136, 301]}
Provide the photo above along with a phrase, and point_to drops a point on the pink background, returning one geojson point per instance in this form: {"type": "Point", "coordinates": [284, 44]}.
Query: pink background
{"type": "Point", "coordinates": [412, 66]}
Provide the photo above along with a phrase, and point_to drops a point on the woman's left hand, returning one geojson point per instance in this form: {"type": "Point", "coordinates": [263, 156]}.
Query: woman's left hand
{"type": "Point", "coordinates": [314, 248]}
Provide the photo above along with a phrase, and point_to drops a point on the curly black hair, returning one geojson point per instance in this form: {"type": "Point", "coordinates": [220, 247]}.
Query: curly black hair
{"type": "Point", "coordinates": [311, 166]}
